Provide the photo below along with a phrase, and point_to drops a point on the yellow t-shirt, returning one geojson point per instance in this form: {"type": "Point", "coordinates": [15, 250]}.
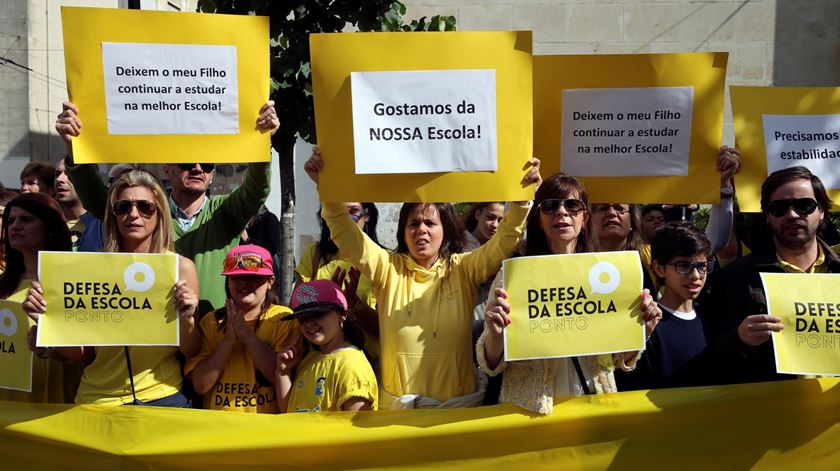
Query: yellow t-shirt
{"type": "Point", "coordinates": [326, 382]}
{"type": "Point", "coordinates": [325, 272]}
{"type": "Point", "coordinates": [425, 315]}
{"type": "Point", "coordinates": [819, 265]}
{"type": "Point", "coordinates": [157, 374]}
{"type": "Point", "coordinates": [52, 380]}
{"type": "Point", "coordinates": [241, 387]}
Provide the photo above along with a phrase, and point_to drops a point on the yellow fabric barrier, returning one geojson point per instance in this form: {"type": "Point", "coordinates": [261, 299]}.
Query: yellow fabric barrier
{"type": "Point", "coordinates": [787, 425]}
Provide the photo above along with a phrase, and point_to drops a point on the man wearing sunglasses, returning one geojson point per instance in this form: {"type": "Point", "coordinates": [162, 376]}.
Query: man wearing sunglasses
{"type": "Point", "coordinates": [795, 205]}
{"type": "Point", "coordinates": [204, 227]}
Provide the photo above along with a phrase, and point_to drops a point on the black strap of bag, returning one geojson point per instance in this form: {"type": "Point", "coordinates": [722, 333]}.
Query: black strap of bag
{"type": "Point", "coordinates": [581, 378]}
{"type": "Point", "coordinates": [131, 378]}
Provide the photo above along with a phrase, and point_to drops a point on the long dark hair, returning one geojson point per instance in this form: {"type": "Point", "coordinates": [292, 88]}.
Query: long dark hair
{"type": "Point", "coordinates": [453, 232]}
{"type": "Point", "coordinates": [559, 185]}
{"type": "Point", "coordinates": [351, 331]}
{"type": "Point", "coordinates": [469, 220]}
{"type": "Point", "coordinates": [57, 235]}
{"type": "Point", "coordinates": [325, 244]}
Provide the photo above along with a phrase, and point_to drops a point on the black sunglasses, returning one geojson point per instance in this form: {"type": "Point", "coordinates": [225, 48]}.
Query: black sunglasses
{"type": "Point", "coordinates": [207, 168]}
{"type": "Point", "coordinates": [684, 268]}
{"type": "Point", "coordinates": [145, 207]}
{"type": "Point", "coordinates": [551, 205]}
{"type": "Point", "coordinates": [802, 206]}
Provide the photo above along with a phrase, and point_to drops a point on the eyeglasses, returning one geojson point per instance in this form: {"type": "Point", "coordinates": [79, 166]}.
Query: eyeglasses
{"type": "Point", "coordinates": [802, 206]}
{"type": "Point", "coordinates": [618, 208]}
{"type": "Point", "coordinates": [206, 168]}
{"type": "Point", "coordinates": [684, 268]}
{"type": "Point", "coordinates": [145, 207]}
{"type": "Point", "coordinates": [245, 261]}
{"type": "Point", "coordinates": [551, 205]}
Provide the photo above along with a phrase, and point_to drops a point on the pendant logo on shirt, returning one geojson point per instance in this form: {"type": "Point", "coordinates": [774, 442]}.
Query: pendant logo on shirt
{"type": "Point", "coordinates": [319, 386]}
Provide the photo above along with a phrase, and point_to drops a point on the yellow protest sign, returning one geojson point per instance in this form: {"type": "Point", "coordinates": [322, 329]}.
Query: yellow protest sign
{"type": "Point", "coordinates": [779, 127]}
{"type": "Point", "coordinates": [413, 119]}
{"type": "Point", "coordinates": [108, 299]}
{"type": "Point", "coordinates": [809, 306]}
{"type": "Point", "coordinates": [15, 356]}
{"type": "Point", "coordinates": [569, 305]}
{"type": "Point", "coordinates": [640, 128]}
{"type": "Point", "coordinates": [165, 87]}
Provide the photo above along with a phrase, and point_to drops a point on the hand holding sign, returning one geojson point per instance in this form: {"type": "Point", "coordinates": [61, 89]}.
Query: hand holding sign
{"type": "Point", "coordinates": [35, 304]}
{"type": "Point", "coordinates": [314, 165]}
{"type": "Point", "coordinates": [756, 329]}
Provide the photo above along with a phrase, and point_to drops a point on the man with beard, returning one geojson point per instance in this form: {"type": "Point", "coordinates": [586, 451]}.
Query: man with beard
{"type": "Point", "coordinates": [795, 205]}
{"type": "Point", "coordinates": [85, 228]}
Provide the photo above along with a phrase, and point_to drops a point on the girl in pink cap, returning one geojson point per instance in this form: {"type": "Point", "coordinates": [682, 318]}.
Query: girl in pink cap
{"type": "Point", "coordinates": [336, 375]}
{"type": "Point", "coordinates": [234, 370]}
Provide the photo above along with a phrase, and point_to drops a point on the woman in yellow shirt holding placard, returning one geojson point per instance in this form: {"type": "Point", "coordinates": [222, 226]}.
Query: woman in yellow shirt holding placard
{"type": "Point", "coordinates": [137, 220]}
{"type": "Point", "coordinates": [34, 222]}
{"type": "Point", "coordinates": [561, 225]}
{"type": "Point", "coordinates": [425, 293]}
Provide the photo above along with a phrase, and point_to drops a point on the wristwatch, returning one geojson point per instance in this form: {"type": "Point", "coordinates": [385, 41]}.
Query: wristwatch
{"type": "Point", "coordinates": [727, 192]}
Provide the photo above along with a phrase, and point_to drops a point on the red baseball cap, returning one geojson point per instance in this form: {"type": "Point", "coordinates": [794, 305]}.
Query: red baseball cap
{"type": "Point", "coordinates": [316, 296]}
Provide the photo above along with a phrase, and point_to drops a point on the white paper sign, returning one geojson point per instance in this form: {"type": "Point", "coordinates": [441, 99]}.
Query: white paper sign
{"type": "Point", "coordinates": [809, 140]}
{"type": "Point", "coordinates": [633, 132]}
{"type": "Point", "coordinates": [170, 88]}
{"type": "Point", "coordinates": [424, 121]}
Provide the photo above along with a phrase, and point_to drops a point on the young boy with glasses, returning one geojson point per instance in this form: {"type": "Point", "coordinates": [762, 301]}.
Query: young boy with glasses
{"type": "Point", "coordinates": [674, 354]}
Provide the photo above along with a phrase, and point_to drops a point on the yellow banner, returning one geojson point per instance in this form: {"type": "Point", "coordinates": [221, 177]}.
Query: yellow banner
{"type": "Point", "coordinates": [15, 356]}
{"type": "Point", "coordinates": [336, 56]}
{"type": "Point", "coordinates": [165, 87]}
{"type": "Point", "coordinates": [809, 306]}
{"type": "Point", "coordinates": [633, 430]}
{"type": "Point", "coordinates": [699, 75]}
{"type": "Point", "coordinates": [108, 299]}
{"type": "Point", "coordinates": [569, 305]}
{"type": "Point", "coordinates": [750, 107]}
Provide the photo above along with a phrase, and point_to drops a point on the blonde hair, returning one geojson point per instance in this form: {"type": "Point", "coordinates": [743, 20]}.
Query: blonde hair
{"type": "Point", "coordinates": [162, 234]}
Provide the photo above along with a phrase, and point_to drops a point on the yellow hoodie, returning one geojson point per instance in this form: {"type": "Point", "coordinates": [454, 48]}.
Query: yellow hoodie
{"type": "Point", "coordinates": [425, 315]}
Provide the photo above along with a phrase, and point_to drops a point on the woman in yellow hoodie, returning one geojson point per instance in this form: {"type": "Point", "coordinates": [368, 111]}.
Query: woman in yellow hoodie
{"type": "Point", "coordinates": [425, 293]}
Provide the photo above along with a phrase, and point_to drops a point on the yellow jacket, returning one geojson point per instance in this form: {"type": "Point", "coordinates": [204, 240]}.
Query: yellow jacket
{"type": "Point", "coordinates": [425, 315]}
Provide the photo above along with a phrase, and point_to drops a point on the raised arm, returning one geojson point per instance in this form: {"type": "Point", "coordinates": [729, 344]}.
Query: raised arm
{"type": "Point", "coordinates": [721, 218]}
{"type": "Point", "coordinates": [89, 186]}
{"type": "Point", "coordinates": [366, 255]}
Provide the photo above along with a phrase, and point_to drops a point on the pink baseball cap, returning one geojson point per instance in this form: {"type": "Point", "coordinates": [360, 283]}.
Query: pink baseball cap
{"type": "Point", "coordinates": [316, 296]}
{"type": "Point", "coordinates": [247, 259]}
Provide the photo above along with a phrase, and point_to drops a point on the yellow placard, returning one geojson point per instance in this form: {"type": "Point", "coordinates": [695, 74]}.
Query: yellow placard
{"type": "Point", "coordinates": [704, 71]}
{"type": "Point", "coordinates": [749, 105]}
{"type": "Point", "coordinates": [336, 55]}
{"type": "Point", "coordinates": [569, 305]}
{"type": "Point", "coordinates": [108, 299]}
{"type": "Point", "coordinates": [87, 33]}
{"type": "Point", "coordinates": [15, 356]}
{"type": "Point", "coordinates": [809, 306]}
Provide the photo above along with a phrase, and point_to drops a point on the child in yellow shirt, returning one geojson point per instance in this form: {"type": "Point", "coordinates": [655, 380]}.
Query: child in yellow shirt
{"type": "Point", "coordinates": [234, 370]}
{"type": "Point", "coordinates": [336, 375]}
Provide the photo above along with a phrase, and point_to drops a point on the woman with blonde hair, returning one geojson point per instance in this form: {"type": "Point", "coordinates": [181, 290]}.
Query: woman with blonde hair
{"type": "Point", "coordinates": [137, 221]}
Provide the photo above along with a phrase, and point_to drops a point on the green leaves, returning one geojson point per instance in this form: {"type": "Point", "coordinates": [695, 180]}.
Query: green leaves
{"type": "Point", "coordinates": [290, 26]}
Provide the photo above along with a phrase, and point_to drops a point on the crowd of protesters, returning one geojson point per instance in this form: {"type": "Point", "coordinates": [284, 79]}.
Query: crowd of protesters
{"type": "Point", "coordinates": [419, 326]}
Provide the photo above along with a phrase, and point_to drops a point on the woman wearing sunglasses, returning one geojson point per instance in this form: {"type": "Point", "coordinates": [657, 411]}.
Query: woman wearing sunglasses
{"type": "Point", "coordinates": [561, 225]}
{"type": "Point", "coordinates": [137, 221]}
{"type": "Point", "coordinates": [425, 294]}
{"type": "Point", "coordinates": [33, 222]}
{"type": "Point", "coordinates": [234, 370]}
